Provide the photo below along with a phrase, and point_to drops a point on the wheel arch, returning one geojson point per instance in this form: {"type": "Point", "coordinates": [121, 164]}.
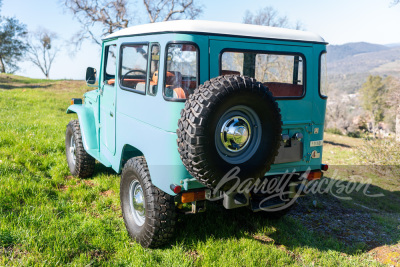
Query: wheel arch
{"type": "Point", "coordinates": [128, 151]}
{"type": "Point", "coordinates": [87, 125]}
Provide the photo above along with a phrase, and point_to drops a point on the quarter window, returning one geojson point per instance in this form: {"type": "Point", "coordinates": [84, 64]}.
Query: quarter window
{"type": "Point", "coordinates": [282, 74]}
{"type": "Point", "coordinates": [133, 67]}
{"type": "Point", "coordinates": [154, 67]}
{"type": "Point", "coordinates": [181, 76]}
{"type": "Point", "coordinates": [323, 76]}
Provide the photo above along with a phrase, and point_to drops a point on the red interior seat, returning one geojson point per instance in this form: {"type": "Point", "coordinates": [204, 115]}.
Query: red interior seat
{"type": "Point", "coordinates": [284, 89]}
{"type": "Point", "coordinates": [230, 72]}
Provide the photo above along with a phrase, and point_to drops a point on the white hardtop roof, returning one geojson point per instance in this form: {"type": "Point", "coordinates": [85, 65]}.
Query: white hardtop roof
{"type": "Point", "coordinates": [216, 27]}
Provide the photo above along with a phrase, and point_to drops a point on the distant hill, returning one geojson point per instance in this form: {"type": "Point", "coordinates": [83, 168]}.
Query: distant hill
{"type": "Point", "coordinates": [392, 45]}
{"type": "Point", "coordinates": [350, 64]}
{"type": "Point", "coordinates": [337, 52]}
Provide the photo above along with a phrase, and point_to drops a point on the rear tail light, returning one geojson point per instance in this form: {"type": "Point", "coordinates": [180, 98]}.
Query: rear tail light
{"type": "Point", "coordinates": [193, 196]}
{"type": "Point", "coordinates": [176, 188]}
{"type": "Point", "coordinates": [314, 175]}
{"type": "Point", "coordinates": [324, 167]}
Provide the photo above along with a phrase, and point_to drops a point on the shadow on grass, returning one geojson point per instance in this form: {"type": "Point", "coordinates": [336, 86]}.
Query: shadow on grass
{"type": "Point", "coordinates": [101, 169]}
{"type": "Point", "coordinates": [336, 144]}
{"type": "Point", "coordinates": [323, 221]}
{"type": "Point", "coordinates": [24, 86]}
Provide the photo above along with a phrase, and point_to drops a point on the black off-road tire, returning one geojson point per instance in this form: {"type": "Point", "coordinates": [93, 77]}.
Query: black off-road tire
{"type": "Point", "coordinates": [200, 116]}
{"type": "Point", "coordinates": [83, 165]}
{"type": "Point", "coordinates": [160, 214]}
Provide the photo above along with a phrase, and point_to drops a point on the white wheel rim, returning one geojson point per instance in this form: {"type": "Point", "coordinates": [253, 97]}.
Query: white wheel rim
{"type": "Point", "coordinates": [72, 149]}
{"type": "Point", "coordinates": [137, 203]}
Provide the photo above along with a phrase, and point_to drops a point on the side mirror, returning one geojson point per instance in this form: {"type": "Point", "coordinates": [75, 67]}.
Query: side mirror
{"type": "Point", "coordinates": [91, 75]}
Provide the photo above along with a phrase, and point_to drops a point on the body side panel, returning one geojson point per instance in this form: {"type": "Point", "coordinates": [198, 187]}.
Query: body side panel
{"type": "Point", "coordinates": [148, 123]}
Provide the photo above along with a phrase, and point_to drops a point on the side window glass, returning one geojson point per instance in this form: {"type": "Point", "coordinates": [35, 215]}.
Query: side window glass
{"type": "Point", "coordinates": [133, 67]}
{"type": "Point", "coordinates": [282, 74]}
{"type": "Point", "coordinates": [110, 64]}
{"type": "Point", "coordinates": [154, 66]}
{"type": "Point", "coordinates": [323, 76]}
{"type": "Point", "coordinates": [181, 76]}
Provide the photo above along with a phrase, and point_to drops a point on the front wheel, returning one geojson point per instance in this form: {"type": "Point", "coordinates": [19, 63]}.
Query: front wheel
{"type": "Point", "coordinates": [148, 212]}
{"type": "Point", "coordinates": [80, 163]}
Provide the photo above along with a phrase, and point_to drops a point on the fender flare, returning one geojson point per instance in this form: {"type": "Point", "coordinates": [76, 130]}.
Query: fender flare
{"type": "Point", "coordinates": [87, 124]}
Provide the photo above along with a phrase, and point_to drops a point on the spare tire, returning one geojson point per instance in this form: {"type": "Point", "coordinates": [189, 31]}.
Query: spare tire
{"type": "Point", "coordinates": [229, 121]}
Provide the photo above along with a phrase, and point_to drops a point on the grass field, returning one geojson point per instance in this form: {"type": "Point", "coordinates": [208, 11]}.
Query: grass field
{"type": "Point", "coordinates": [48, 217]}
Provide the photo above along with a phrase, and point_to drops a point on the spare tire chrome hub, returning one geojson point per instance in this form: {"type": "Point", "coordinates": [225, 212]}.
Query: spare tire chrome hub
{"type": "Point", "coordinates": [235, 133]}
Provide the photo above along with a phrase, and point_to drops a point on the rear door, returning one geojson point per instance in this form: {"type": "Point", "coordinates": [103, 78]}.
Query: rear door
{"type": "Point", "coordinates": [283, 69]}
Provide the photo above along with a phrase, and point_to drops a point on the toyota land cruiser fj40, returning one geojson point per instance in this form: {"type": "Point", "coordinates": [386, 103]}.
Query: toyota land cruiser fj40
{"type": "Point", "coordinates": [195, 111]}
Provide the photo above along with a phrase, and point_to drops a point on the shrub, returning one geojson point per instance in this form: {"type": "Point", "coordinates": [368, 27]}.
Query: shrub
{"type": "Point", "coordinates": [334, 131]}
{"type": "Point", "coordinates": [380, 152]}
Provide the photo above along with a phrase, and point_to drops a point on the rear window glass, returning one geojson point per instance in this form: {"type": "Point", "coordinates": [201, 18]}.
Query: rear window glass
{"type": "Point", "coordinates": [282, 74]}
{"type": "Point", "coordinates": [323, 76]}
{"type": "Point", "coordinates": [181, 77]}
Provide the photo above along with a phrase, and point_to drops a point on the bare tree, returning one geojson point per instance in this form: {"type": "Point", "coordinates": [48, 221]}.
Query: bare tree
{"type": "Point", "coordinates": [41, 50]}
{"type": "Point", "coordinates": [112, 15]}
{"type": "Point", "coordinates": [393, 99]}
{"type": "Point", "coordinates": [269, 16]}
{"type": "Point", "coordinates": [395, 2]}
{"type": "Point", "coordinates": [165, 10]}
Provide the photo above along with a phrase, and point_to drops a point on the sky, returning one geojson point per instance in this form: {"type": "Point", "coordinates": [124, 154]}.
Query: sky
{"type": "Point", "coordinates": [337, 21]}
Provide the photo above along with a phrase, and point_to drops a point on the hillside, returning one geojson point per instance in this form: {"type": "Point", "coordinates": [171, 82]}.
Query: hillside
{"type": "Point", "coordinates": [337, 52]}
{"type": "Point", "coordinates": [350, 64]}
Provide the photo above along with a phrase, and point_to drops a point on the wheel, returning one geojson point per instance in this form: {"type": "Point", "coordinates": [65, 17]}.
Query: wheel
{"type": "Point", "coordinates": [149, 213]}
{"type": "Point", "coordinates": [80, 163]}
{"type": "Point", "coordinates": [229, 121]}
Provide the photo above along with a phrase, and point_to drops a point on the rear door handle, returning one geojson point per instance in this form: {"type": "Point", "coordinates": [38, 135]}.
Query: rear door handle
{"type": "Point", "coordinates": [111, 114]}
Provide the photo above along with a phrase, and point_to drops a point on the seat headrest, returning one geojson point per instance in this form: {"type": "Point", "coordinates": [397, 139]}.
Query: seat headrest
{"type": "Point", "coordinates": [155, 77]}
{"type": "Point", "coordinates": [173, 78]}
{"type": "Point", "coordinates": [230, 72]}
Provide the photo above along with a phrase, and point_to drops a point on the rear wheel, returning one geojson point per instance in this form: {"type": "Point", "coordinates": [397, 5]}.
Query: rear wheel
{"type": "Point", "coordinates": [149, 213]}
{"type": "Point", "coordinates": [80, 163]}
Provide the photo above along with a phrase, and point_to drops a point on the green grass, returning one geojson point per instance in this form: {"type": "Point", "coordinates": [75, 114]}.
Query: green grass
{"type": "Point", "coordinates": [49, 218]}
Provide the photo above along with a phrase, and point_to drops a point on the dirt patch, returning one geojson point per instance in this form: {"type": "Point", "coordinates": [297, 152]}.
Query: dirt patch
{"type": "Point", "coordinates": [387, 255]}
{"type": "Point", "coordinates": [69, 177]}
{"type": "Point", "coordinates": [117, 209]}
{"type": "Point", "coordinates": [98, 254]}
{"type": "Point", "coordinates": [193, 255]}
{"type": "Point", "coordinates": [268, 240]}
{"type": "Point", "coordinates": [62, 187]}
{"type": "Point", "coordinates": [327, 216]}
{"type": "Point", "coordinates": [264, 239]}
{"type": "Point", "coordinates": [12, 253]}
{"type": "Point", "coordinates": [107, 193]}
{"type": "Point", "coordinates": [89, 183]}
